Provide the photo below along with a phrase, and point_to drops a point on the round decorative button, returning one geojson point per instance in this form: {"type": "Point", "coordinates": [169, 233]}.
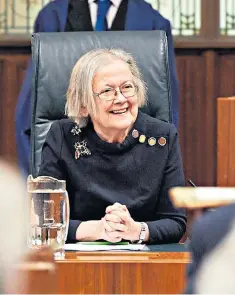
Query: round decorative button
{"type": "Point", "coordinates": [152, 141]}
{"type": "Point", "coordinates": [142, 138]}
{"type": "Point", "coordinates": [162, 141]}
{"type": "Point", "coordinates": [135, 133]}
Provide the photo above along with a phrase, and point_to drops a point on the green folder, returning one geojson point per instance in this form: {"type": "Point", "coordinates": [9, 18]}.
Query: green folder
{"type": "Point", "coordinates": [103, 243]}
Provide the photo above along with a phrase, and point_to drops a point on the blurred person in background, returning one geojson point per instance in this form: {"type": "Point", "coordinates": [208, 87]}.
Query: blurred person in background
{"type": "Point", "coordinates": [13, 222]}
{"type": "Point", "coordinates": [89, 15]}
{"type": "Point", "coordinates": [208, 232]}
{"type": "Point", "coordinates": [216, 274]}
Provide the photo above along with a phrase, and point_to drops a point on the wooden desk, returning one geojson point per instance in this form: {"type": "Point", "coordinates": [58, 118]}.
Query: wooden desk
{"type": "Point", "coordinates": [124, 272]}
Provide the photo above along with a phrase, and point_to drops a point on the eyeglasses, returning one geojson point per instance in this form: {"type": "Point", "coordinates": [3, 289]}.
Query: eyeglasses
{"type": "Point", "coordinates": [127, 90]}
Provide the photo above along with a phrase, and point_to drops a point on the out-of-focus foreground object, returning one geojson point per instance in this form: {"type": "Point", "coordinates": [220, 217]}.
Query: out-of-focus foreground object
{"type": "Point", "coordinates": [225, 141]}
{"type": "Point", "coordinates": [216, 274]}
{"type": "Point", "coordinates": [35, 273]}
{"type": "Point", "coordinates": [13, 219]}
{"type": "Point", "coordinates": [21, 271]}
{"type": "Point", "coordinates": [202, 197]}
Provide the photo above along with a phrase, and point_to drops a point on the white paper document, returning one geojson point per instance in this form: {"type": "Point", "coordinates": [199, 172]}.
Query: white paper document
{"type": "Point", "coordinates": [85, 248]}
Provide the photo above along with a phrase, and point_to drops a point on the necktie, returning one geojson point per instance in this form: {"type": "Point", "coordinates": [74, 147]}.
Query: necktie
{"type": "Point", "coordinates": [101, 22]}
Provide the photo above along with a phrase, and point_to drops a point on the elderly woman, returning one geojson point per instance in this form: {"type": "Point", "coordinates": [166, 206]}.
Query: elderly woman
{"type": "Point", "coordinates": [118, 163]}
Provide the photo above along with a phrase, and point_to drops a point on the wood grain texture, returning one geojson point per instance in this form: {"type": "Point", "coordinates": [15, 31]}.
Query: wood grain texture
{"type": "Point", "coordinates": [198, 114]}
{"type": "Point", "coordinates": [226, 142]}
{"type": "Point", "coordinates": [13, 69]}
{"type": "Point", "coordinates": [122, 273]}
{"type": "Point", "coordinates": [210, 18]}
{"type": "Point", "coordinates": [35, 274]}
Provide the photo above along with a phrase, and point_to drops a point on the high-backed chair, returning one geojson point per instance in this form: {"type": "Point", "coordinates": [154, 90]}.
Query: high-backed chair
{"type": "Point", "coordinates": [55, 54]}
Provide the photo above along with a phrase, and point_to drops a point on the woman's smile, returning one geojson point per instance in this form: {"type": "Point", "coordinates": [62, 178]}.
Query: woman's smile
{"type": "Point", "coordinates": [115, 116]}
{"type": "Point", "coordinates": [119, 112]}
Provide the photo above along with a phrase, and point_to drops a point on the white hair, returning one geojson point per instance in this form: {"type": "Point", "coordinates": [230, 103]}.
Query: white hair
{"type": "Point", "coordinates": [80, 94]}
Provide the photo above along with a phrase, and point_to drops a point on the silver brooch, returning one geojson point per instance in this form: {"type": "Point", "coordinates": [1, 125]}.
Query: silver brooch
{"type": "Point", "coordinates": [75, 130]}
{"type": "Point", "coordinates": [81, 149]}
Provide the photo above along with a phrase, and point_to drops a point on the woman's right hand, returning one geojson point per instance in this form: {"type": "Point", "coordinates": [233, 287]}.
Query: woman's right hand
{"type": "Point", "coordinates": [93, 230]}
{"type": "Point", "coordinates": [116, 235]}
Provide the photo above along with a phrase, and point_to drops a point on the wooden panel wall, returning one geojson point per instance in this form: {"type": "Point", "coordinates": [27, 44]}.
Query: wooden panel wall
{"type": "Point", "coordinates": [226, 141]}
{"type": "Point", "coordinates": [12, 72]}
{"type": "Point", "coordinates": [204, 75]}
{"type": "Point", "coordinates": [196, 71]}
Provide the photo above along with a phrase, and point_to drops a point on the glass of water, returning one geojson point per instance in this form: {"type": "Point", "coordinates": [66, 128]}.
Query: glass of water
{"type": "Point", "coordinates": [49, 213]}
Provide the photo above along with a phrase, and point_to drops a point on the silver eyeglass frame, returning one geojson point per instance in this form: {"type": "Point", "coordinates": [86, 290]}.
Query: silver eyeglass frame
{"type": "Point", "coordinates": [115, 94]}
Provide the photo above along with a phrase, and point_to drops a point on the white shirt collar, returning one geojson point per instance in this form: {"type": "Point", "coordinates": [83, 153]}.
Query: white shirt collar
{"type": "Point", "coordinates": [114, 2]}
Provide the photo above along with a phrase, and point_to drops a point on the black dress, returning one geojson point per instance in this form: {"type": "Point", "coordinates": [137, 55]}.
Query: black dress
{"type": "Point", "coordinates": [136, 174]}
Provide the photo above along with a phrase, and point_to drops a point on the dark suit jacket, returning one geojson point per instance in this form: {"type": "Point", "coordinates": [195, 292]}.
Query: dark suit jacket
{"type": "Point", "coordinates": [132, 173]}
{"type": "Point", "coordinates": [52, 18]}
{"type": "Point", "coordinates": [207, 232]}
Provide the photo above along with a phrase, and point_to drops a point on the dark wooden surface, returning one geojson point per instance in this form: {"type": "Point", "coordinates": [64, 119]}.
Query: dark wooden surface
{"type": "Point", "coordinates": [204, 74]}
{"type": "Point", "coordinates": [122, 273]}
{"type": "Point", "coordinates": [35, 274]}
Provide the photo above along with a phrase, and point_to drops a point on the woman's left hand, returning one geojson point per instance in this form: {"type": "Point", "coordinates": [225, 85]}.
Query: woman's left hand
{"type": "Point", "coordinates": [118, 218]}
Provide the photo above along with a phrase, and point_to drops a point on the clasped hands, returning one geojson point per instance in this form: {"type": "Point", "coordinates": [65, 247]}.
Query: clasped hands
{"type": "Point", "coordinates": [117, 224]}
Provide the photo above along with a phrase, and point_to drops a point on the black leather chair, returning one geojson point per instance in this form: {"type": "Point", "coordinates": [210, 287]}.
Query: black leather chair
{"type": "Point", "coordinates": [55, 54]}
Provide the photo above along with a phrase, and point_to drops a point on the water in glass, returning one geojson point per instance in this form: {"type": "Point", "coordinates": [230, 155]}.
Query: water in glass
{"type": "Point", "coordinates": [49, 213]}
